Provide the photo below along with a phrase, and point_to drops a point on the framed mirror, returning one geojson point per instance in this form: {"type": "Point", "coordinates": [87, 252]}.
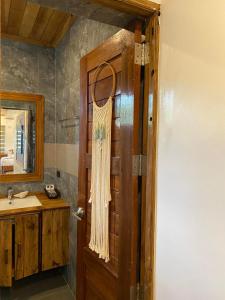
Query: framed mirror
{"type": "Point", "coordinates": [21, 137]}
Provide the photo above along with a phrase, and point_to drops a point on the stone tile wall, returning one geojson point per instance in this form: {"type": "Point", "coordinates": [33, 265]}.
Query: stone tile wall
{"type": "Point", "coordinates": [31, 69]}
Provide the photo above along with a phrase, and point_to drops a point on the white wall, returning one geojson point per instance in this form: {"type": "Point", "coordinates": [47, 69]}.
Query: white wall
{"type": "Point", "coordinates": [190, 258]}
{"type": "Point", "coordinates": [10, 136]}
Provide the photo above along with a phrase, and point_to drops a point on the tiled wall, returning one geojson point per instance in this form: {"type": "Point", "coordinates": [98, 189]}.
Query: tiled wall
{"type": "Point", "coordinates": [31, 69]}
{"type": "Point", "coordinates": [83, 37]}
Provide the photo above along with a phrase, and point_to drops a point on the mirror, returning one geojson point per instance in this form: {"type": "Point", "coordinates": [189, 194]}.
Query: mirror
{"type": "Point", "coordinates": [21, 137]}
{"type": "Point", "coordinates": [17, 137]}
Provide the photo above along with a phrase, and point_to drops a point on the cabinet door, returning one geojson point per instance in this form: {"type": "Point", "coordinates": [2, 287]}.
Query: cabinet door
{"type": "Point", "coordinates": [26, 245]}
{"type": "Point", "coordinates": [5, 253]}
{"type": "Point", "coordinates": [55, 238]}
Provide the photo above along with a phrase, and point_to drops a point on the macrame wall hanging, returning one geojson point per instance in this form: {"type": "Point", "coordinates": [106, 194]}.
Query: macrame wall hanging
{"type": "Point", "coordinates": [100, 171]}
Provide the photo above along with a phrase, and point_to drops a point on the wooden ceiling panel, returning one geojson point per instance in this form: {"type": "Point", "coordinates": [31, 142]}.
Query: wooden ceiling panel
{"type": "Point", "coordinates": [55, 22]}
{"type": "Point", "coordinates": [60, 34]}
{"type": "Point", "coordinates": [28, 22]}
{"type": "Point", "coordinates": [43, 17]}
{"type": "Point", "coordinates": [5, 6]}
{"type": "Point", "coordinates": [16, 14]}
{"type": "Point", "coordinates": [29, 18]}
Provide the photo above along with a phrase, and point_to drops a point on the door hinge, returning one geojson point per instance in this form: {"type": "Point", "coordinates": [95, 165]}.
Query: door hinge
{"type": "Point", "coordinates": [141, 54]}
{"type": "Point", "coordinates": [139, 165]}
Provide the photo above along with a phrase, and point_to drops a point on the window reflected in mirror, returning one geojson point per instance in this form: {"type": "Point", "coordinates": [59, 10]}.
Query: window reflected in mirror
{"type": "Point", "coordinates": [17, 137]}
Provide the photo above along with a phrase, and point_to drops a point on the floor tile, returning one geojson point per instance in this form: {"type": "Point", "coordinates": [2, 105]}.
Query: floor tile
{"type": "Point", "coordinates": [45, 286]}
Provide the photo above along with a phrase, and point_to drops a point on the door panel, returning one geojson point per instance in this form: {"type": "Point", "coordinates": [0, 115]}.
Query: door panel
{"type": "Point", "coordinates": [95, 278]}
{"type": "Point", "coordinates": [55, 238]}
{"type": "Point", "coordinates": [26, 241]}
{"type": "Point", "coordinates": [5, 253]}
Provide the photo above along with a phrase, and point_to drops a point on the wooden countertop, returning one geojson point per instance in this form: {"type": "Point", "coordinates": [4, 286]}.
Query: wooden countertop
{"type": "Point", "coordinates": [47, 204]}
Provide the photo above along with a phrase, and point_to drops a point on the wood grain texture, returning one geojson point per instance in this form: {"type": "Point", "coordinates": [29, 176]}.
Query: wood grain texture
{"type": "Point", "coordinates": [136, 150]}
{"type": "Point", "coordinates": [37, 175]}
{"type": "Point", "coordinates": [5, 6]}
{"type": "Point", "coordinates": [68, 22]}
{"type": "Point", "coordinates": [41, 22]}
{"type": "Point", "coordinates": [150, 120]}
{"type": "Point", "coordinates": [29, 18]}
{"type": "Point", "coordinates": [5, 253]}
{"type": "Point", "coordinates": [95, 278]}
{"type": "Point", "coordinates": [16, 12]}
{"type": "Point", "coordinates": [55, 238]}
{"type": "Point", "coordinates": [134, 7]}
{"type": "Point", "coordinates": [26, 245]}
{"type": "Point", "coordinates": [55, 22]}
{"type": "Point", "coordinates": [21, 249]}
{"type": "Point", "coordinates": [29, 22]}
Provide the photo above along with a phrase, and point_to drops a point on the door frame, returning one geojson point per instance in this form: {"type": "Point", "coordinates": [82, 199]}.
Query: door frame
{"type": "Point", "coordinates": [142, 8]}
{"type": "Point", "coordinates": [150, 131]}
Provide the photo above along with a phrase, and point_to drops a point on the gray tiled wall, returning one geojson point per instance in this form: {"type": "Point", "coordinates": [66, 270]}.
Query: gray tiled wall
{"type": "Point", "coordinates": [30, 69]}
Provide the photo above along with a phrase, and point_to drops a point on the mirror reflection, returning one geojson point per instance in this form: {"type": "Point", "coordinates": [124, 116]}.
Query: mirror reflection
{"type": "Point", "coordinates": [17, 137]}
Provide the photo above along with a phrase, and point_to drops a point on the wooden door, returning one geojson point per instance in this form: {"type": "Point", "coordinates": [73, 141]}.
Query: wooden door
{"type": "Point", "coordinates": [55, 238]}
{"type": "Point", "coordinates": [116, 279]}
{"type": "Point", "coordinates": [26, 245]}
{"type": "Point", "coordinates": [6, 253]}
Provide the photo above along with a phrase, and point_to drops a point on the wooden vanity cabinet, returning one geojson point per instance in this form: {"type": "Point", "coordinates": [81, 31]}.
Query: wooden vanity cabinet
{"type": "Point", "coordinates": [33, 241]}
{"type": "Point", "coordinates": [26, 245]}
{"type": "Point", "coordinates": [55, 238]}
{"type": "Point", "coordinates": [6, 267]}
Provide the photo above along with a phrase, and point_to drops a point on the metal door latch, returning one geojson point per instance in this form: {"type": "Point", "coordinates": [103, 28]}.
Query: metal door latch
{"type": "Point", "coordinates": [79, 213]}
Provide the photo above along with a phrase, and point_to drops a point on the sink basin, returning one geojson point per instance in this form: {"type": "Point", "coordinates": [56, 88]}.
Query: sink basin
{"type": "Point", "coordinates": [30, 201]}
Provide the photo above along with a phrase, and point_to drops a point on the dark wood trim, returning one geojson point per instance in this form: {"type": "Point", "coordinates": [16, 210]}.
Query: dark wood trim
{"type": "Point", "coordinates": [136, 150]}
{"type": "Point", "coordinates": [135, 7]}
{"type": "Point", "coordinates": [150, 119]}
{"type": "Point", "coordinates": [81, 225]}
{"type": "Point", "coordinates": [39, 161]}
{"type": "Point", "coordinates": [129, 188]}
{"type": "Point", "coordinates": [116, 43]}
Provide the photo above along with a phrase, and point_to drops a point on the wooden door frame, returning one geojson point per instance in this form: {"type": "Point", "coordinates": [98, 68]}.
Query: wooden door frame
{"type": "Point", "coordinates": [141, 8]}
{"type": "Point", "coordinates": [150, 124]}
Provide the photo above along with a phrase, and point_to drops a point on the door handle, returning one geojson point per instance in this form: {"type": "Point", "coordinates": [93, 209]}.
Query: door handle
{"type": "Point", "coordinates": [79, 213]}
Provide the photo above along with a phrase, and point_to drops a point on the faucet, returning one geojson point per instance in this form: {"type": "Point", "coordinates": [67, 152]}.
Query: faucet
{"type": "Point", "coordinates": [10, 195]}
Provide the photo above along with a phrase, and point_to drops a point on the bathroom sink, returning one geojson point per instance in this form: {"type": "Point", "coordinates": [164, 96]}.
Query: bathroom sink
{"type": "Point", "coordinates": [30, 201]}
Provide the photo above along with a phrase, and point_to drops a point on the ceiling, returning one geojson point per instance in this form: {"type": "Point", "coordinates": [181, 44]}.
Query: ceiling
{"type": "Point", "coordinates": [45, 22]}
{"type": "Point", "coordinates": [92, 9]}
{"type": "Point", "coordinates": [30, 22]}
